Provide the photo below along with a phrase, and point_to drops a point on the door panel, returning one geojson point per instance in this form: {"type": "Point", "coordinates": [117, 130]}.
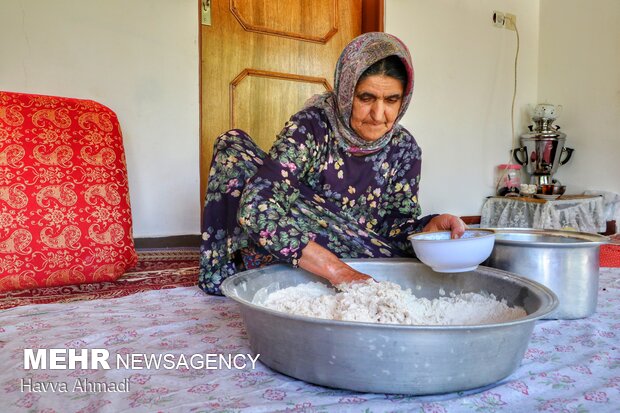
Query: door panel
{"type": "Point", "coordinates": [246, 96]}
{"type": "Point", "coordinates": [262, 59]}
{"type": "Point", "coordinates": [315, 20]}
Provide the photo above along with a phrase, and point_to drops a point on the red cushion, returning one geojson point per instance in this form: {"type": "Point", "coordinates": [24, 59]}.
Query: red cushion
{"type": "Point", "coordinates": [64, 202]}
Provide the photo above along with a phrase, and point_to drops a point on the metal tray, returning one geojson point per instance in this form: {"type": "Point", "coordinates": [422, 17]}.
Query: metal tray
{"type": "Point", "coordinates": [388, 358]}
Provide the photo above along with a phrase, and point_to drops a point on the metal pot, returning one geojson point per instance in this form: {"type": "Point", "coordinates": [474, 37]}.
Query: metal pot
{"type": "Point", "coordinates": [565, 261]}
{"type": "Point", "coordinates": [388, 358]}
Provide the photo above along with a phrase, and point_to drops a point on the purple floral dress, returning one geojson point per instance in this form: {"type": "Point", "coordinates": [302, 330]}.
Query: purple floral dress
{"type": "Point", "coordinates": [264, 208]}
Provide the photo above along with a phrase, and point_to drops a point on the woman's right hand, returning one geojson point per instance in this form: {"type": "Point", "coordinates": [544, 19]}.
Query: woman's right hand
{"type": "Point", "coordinates": [322, 262]}
{"type": "Point", "coordinates": [348, 275]}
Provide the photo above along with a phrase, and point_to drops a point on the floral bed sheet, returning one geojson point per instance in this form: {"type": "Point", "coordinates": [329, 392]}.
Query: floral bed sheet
{"type": "Point", "coordinates": [570, 366]}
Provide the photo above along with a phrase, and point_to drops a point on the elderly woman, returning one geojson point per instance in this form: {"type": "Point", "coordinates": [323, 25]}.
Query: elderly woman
{"type": "Point", "coordinates": [340, 181]}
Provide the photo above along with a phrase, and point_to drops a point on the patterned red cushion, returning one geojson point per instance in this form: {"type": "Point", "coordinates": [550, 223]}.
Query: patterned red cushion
{"type": "Point", "coordinates": [64, 203]}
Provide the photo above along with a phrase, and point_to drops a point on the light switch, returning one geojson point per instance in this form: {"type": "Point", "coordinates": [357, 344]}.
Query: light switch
{"type": "Point", "coordinates": [205, 12]}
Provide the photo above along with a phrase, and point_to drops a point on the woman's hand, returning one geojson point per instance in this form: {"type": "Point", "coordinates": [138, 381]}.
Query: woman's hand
{"type": "Point", "coordinates": [320, 261]}
{"type": "Point", "coordinates": [447, 222]}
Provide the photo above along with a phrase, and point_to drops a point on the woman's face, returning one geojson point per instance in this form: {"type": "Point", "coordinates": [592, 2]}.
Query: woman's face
{"type": "Point", "coordinates": [376, 105]}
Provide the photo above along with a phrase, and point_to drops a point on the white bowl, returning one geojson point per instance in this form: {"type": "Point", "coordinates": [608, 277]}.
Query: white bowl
{"type": "Point", "coordinates": [443, 254]}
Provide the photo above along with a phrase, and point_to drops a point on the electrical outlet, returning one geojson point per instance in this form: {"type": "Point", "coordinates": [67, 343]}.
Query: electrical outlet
{"type": "Point", "coordinates": [498, 19]}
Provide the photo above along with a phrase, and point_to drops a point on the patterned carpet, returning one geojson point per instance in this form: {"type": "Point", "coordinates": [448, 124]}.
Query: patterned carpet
{"type": "Point", "coordinates": [156, 269]}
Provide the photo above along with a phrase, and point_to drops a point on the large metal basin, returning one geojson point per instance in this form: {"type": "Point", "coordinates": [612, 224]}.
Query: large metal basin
{"type": "Point", "coordinates": [565, 261]}
{"type": "Point", "coordinates": [388, 358]}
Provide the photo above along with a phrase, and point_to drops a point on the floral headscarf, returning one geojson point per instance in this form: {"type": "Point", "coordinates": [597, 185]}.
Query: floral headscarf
{"type": "Point", "coordinates": [359, 55]}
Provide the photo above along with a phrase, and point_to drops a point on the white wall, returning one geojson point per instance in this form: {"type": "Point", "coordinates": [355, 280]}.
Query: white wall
{"type": "Point", "coordinates": [464, 79]}
{"type": "Point", "coordinates": [580, 69]}
{"type": "Point", "coordinates": [138, 57]}
{"type": "Point", "coordinates": [460, 114]}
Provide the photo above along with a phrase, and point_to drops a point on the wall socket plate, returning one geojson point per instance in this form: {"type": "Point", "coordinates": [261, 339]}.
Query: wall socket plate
{"type": "Point", "coordinates": [509, 21]}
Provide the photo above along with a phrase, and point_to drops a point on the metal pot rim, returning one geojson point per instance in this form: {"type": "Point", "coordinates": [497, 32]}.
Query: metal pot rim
{"type": "Point", "coordinates": [587, 239]}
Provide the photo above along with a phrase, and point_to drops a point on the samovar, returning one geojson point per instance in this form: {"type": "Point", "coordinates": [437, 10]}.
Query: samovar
{"type": "Point", "coordinates": [542, 149]}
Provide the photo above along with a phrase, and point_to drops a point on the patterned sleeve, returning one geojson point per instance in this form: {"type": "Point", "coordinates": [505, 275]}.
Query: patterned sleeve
{"type": "Point", "coordinates": [401, 196]}
{"type": "Point", "coordinates": [265, 208]}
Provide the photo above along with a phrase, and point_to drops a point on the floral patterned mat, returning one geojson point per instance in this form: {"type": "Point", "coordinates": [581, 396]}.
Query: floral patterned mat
{"type": "Point", "coordinates": [570, 366]}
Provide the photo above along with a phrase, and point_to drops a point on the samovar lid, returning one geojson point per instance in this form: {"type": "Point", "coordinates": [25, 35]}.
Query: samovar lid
{"type": "Point", "coordinates": [543, 128]}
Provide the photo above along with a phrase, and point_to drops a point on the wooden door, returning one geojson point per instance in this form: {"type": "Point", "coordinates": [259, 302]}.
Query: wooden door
{"type": "Point", "coordinates": [262, 59]}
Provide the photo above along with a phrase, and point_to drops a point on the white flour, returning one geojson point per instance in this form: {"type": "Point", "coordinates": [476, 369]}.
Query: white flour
{"type": "Point", "coordinates": [387, 302]}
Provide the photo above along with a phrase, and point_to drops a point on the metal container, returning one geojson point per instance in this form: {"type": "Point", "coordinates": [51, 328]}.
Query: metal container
{"type": "Point", "coordinates": [389, 358]}
{"type": "Point", "coordinates": [565, 261]}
